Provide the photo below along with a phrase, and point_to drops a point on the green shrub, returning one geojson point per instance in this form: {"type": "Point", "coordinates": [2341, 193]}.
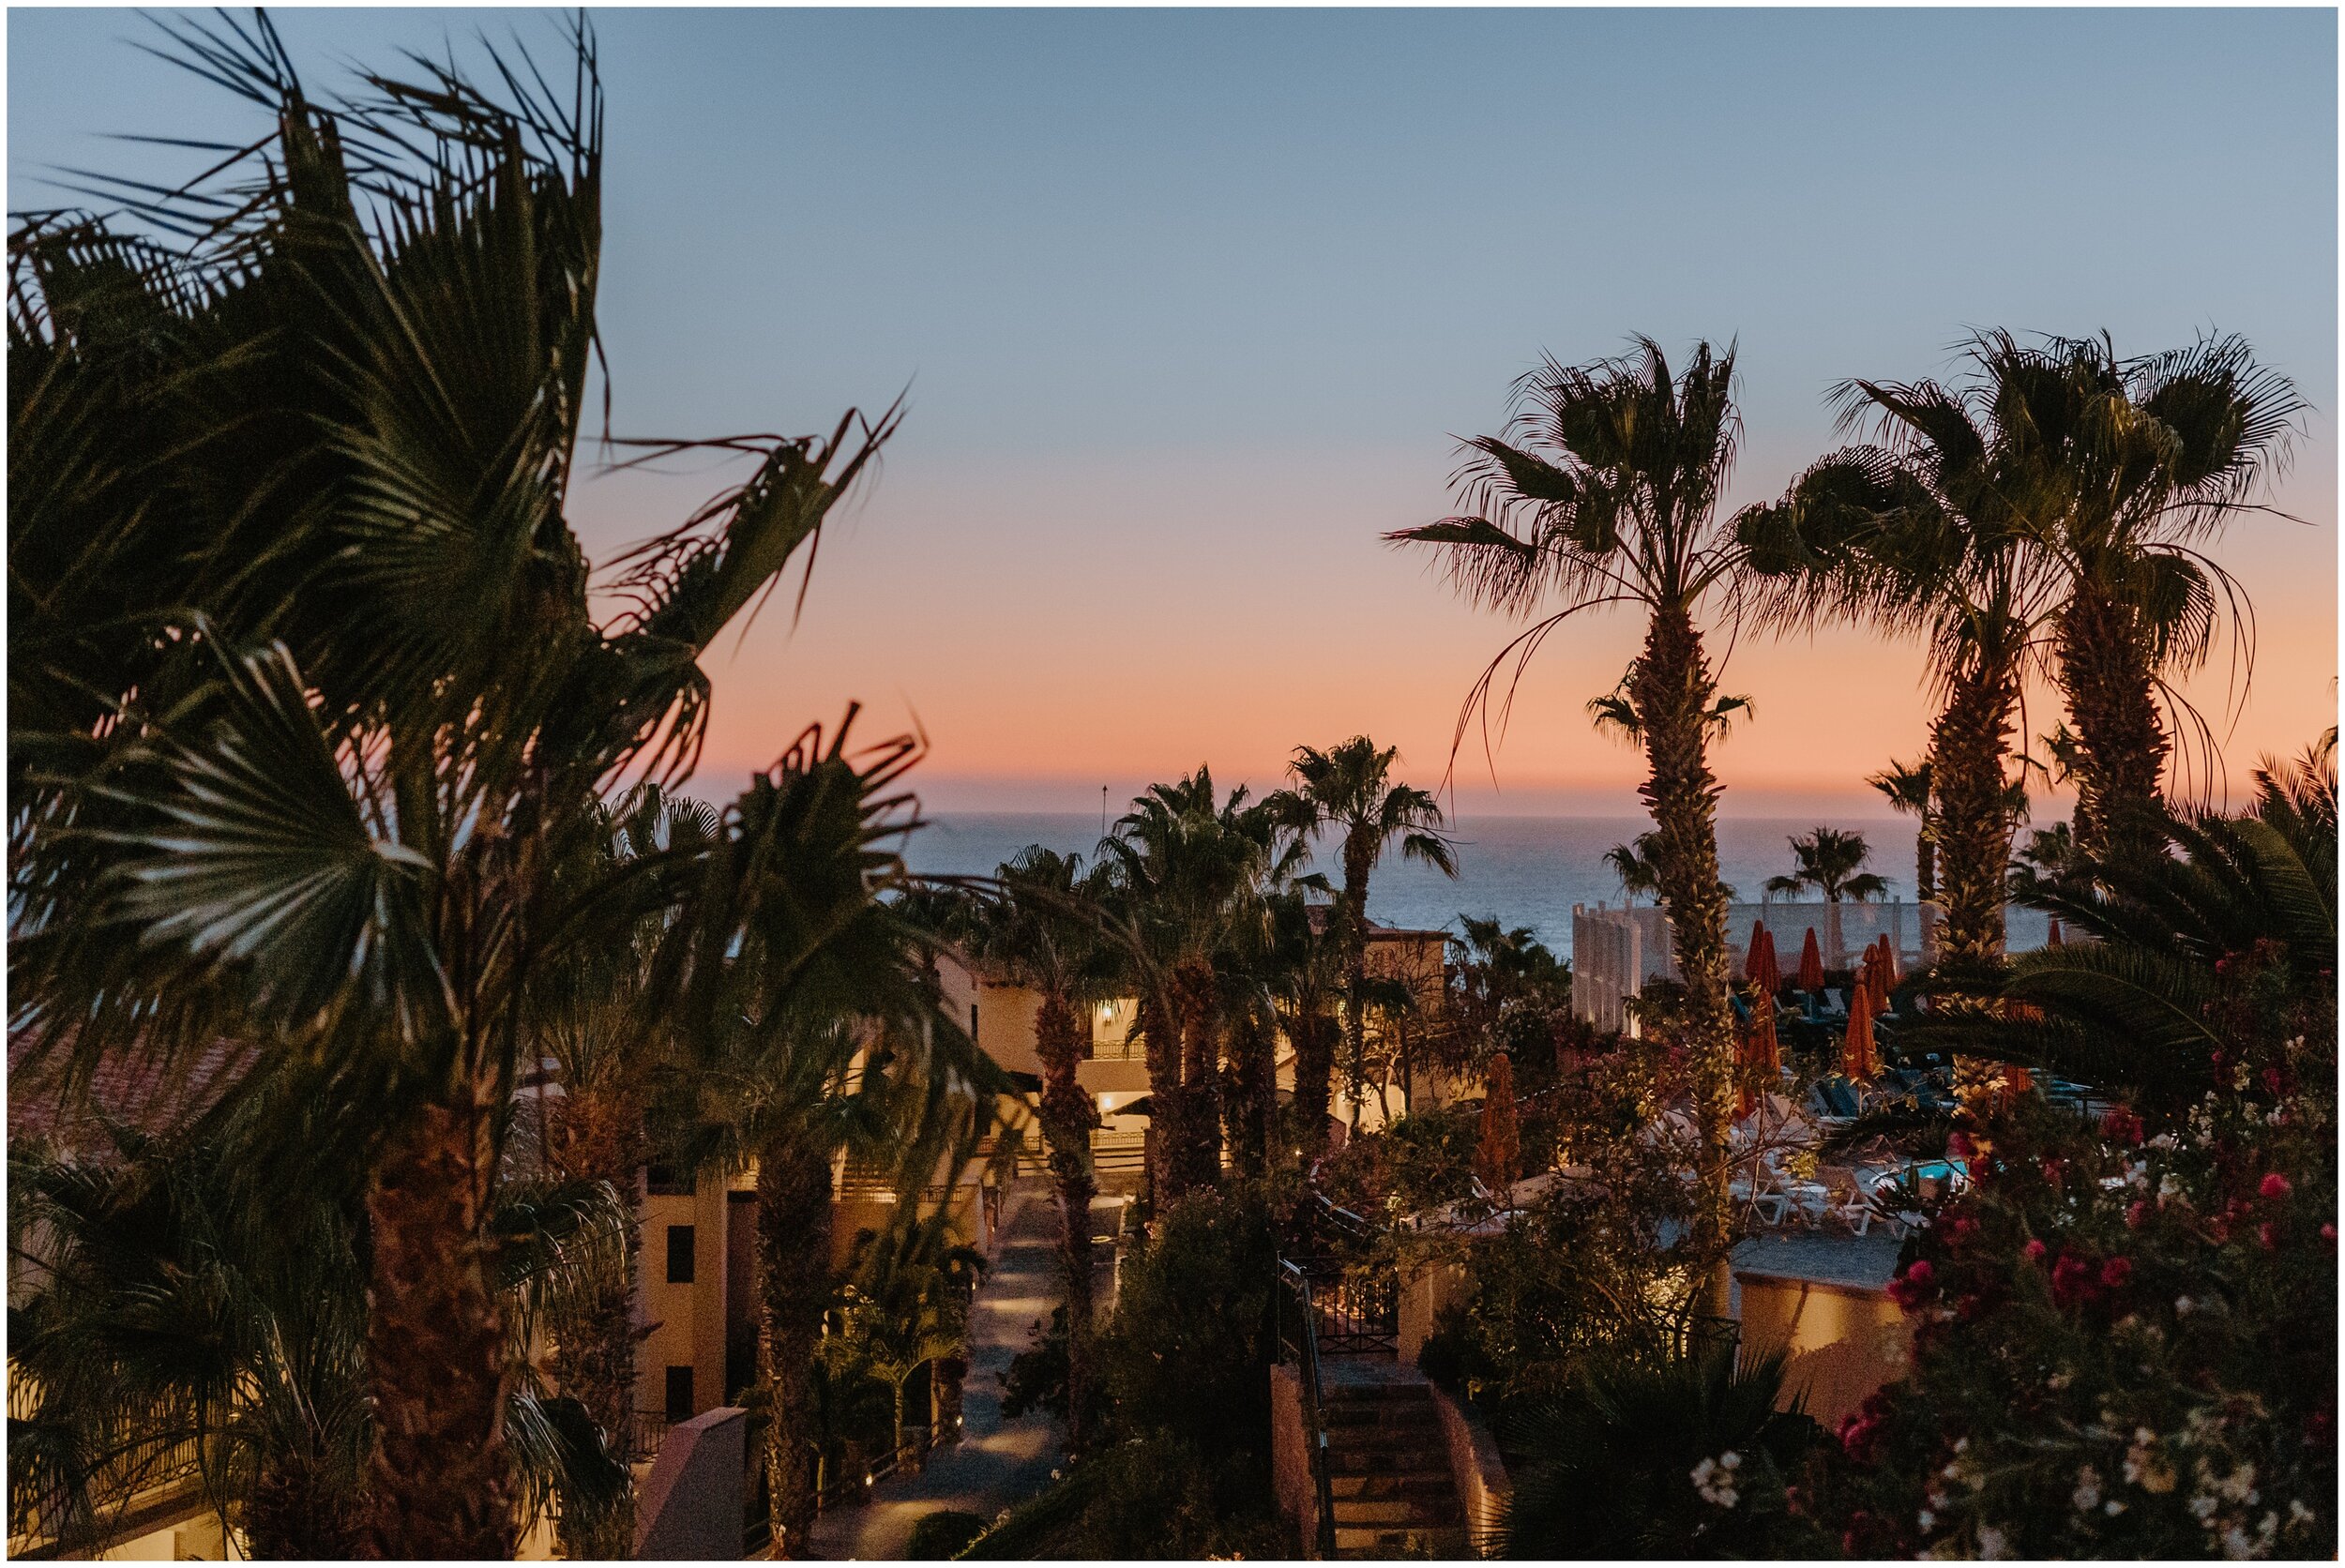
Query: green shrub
{"type": "Point", "coordinates": [943, 1534]}
{"type": "Point", "coordinates": [1148, 1498]}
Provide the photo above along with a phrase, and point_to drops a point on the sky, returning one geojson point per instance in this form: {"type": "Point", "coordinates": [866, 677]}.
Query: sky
{"type": "Point", "coordinates": [1187, 307]}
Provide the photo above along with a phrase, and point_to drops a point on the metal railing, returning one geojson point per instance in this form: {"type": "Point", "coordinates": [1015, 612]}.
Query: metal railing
{"type": "Point", "coordinates": [1298, 1340]}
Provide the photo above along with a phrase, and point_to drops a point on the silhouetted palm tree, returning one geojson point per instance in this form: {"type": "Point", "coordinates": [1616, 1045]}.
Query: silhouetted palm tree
{"type": "Point", "coordinates": [1349, 790]}
{"type": "Point", "coordinates": [1041, 930]}
{"type": "Point", "coordinates": [1830, 861]}
{"type": "Point", "coordinates": [2137, 462]}
{"type": "Point", "coordinates": [309, 696]}
{"type": "Point", "coordinates": [1927, 534]}
{"type": "Point", "coordinates": [1606, 493]}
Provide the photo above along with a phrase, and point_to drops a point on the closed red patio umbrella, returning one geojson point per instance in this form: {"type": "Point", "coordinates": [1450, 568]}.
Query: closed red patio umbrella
{"type": "Point", "coordinates": [1810, 963]}
{"type": "Point", "coordinates": [1857, 1061]}
{"type": "Point", "coordinates": [1770, 970]}
{"type": "Point", "coordinates": [1752, 954]}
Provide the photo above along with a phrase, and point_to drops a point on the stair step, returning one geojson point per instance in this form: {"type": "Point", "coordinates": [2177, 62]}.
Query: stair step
{"type": "Point", "coordinates": [1393, 1484]}
{"type": "Point", "coordinates": [1388, 1461]}
{"type": "Point", "coordinates": [1397, 1510]}
{"type": "Point", "coordinates": [1380, 1414]}
{"type": "Point", "coordinates": [1366, 1440]}
{"type": "Point", "coordinates": [1378, 1541]}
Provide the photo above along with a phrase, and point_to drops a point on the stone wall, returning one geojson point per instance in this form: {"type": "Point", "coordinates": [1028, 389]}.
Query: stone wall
{"type": "Point", "coordinates": [1290, 1454]}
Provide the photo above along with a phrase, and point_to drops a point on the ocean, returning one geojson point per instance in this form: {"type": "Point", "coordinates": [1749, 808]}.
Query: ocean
{"type": "Point", "coordinates": [1526, 870]}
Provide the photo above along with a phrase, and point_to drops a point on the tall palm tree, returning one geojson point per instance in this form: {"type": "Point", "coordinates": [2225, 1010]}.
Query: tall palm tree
{"type": "Point", "coordinates": [805, 1025]}
{"type": "Point", "coordinates": [1926, 533]}
{"type": "Point", "coordinates": [1349, 790]}
{"type": "Point", "coordinates": [1830, 861]}
{"type": "Point", "coordinates": [1906, 788]}
{"type": "Point", "coordinates": [1041, 930]}
{"type": "Point", "coordinates": [1606, 493]}
{"type": "Point", "coordinates": [309, 469]}
{"type": "Point", "coordinates": [2135, 464]}
{"type": "Point", "coordinates": [1304, 971]}
{"type": "Point", "coordinates": [1187, 873]}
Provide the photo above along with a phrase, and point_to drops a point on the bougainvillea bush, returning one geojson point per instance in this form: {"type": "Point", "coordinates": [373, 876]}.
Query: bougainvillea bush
{"type": "Point", "coordinates": [2125, 1335]}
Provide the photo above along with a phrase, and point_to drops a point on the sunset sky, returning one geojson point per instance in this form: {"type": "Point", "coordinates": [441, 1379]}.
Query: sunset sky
{"type": "Point", "coordinates": [1188, 307]}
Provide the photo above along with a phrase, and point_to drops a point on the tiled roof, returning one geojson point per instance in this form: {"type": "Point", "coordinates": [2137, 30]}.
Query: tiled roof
{"type": "Point", "coordinates": [126, 1087]}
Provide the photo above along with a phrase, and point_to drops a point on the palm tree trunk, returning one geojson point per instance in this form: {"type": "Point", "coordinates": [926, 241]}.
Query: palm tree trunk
{"type": "Point", "coordinates": [1068, 1114]}
{"type": "Point", "coordinates": [1355, 870]}
{"type": "Point", "coordinates": [597, 1135]}
{"type": "Point", "coordinates": [1967, 750]}
{"type": "Point", "coordinates": [1313, 1037]}
{"type": "Point", "coordinates": [794, 1289]}
{"type": "Point", "coordinates": [440, 1481]}
{"type": "Point", "coordinates": [1925, 864]}
{"type": "Point", "coordinates": [1160, 1028]}
{"type": "Point", "coordinates": [1671, 685]}
{"type": "Point", "coordinates": [2105, 671]}
{"type": "Point", "coordinates": [1253, 1096]}
{"type": "Point", "coordinates": [1200, 1140]}
{"type": "Point", "coordinates": [1835, 939]}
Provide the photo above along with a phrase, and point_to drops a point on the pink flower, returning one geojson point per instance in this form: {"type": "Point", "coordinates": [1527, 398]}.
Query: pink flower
{"type": "Point", "coordinates": [2329, 1234]}
{"type": "Point", "coordinates": [1960, 1147]}
{"type": "Point", "coordinates": [2121, 1126]}
{"type": "Point", "coordinates": [2268, 1236]}
{"type": "Point", "coordinates": [2072, 1280]}
{"type": "Point", "coordinates": [2116, 1272]}
{"type": "Point", "coordinates": [2034, 1250]}
{"type": "Point", "coordinates": [2138, 1214]}
{"type": "Point", "coordinates": [1914, 1285]}
{"type": "Point", "coordinates": [2272, 1079]}
{"type": "Point", "coordinates": [2275, 1186]}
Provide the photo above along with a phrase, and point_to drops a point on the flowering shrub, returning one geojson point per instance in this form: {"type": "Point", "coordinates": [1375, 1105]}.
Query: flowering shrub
{"type": "Point", "coordinates": [2125, 1333]}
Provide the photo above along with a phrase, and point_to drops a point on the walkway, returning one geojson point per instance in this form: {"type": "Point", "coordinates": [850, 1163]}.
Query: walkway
{"type": "Point", "coordinates": [997, 1462]}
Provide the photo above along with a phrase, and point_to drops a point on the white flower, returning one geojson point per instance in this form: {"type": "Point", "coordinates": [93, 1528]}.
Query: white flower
{"type": "Point", "coordinates": [2297, 1512]}
{"type": "Point", "coordinates": [2113, 1507]}
{"type": "Point", "coordinates": [1715, 1480]}
{"type": "Point", "coordinates": [2163, 1141]}
{"type": "Point", "coordinates": [2169, 1189]}
{"type": "Point", "coordinates": [1992, 1542]}
{"type": "Point", "coordinates": [1926, 1519]}
{"type": "Point", "coordinates": [2088, 1493]}
{"type": "Point", "coordinates": [2185, 1306]}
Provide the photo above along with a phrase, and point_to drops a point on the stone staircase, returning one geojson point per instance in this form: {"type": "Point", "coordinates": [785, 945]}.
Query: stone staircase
{"type": "Point", "coordinates": [1389, 1467]}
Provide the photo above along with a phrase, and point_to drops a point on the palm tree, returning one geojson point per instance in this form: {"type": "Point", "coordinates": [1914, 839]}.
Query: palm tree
{"type": "Point", "coordinates": [804, 1024]}
{"type": "Point", "coordinates": [1927, 532]}
{"type": "Point", "coordinates": [1613, 471]}
{"type": "Point", "coordinates": [168, 1312]}
{"type": "Point", "coordinates": [1604, 1467]}
{"type": "Point", "coordinates": [1634, 868]}
{"type": "Point", "coordinates": [2139, 1005]}
{"type": "Point", "coordinates": [1040, 928]}
{"type": "Point", "coordinates": [906, 1302]}
{"type": "Point", "coordinates": [1349, 788]}
{"type": "Point", "coordinates": [590, 1017]}
{"type": "Point", "coordinates": [2135, 464]}
{"type": "Point", "coordinates": [352, 703]}
{"type": "Point", "coordinates": [1829, 861]}
{"type": "Point", "coordinates": [1304, 971]}
{"type": "Point", "coordinates": [1906, 788]}
{"type": "Point", "coordinates": [1187, 874]}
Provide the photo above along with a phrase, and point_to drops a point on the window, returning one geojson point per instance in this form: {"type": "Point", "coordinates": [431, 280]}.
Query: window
{"type": "Point", "coordinates": [679, 1394]}
{"type": "Point", "coordinates": [973, 1023]}
{"type": "Point", "coordinates": [662, 1181]}
{"type": "Point", "coordinates": [679, 1255]}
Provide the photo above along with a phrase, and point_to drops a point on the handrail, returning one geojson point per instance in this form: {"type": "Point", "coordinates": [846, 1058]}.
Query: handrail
{"type": "Point", "coordinates": [1298, 1282]}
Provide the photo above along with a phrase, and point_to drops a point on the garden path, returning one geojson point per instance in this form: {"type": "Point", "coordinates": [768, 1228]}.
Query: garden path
{"type": "Point", "coordinates": [998, 1462]}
